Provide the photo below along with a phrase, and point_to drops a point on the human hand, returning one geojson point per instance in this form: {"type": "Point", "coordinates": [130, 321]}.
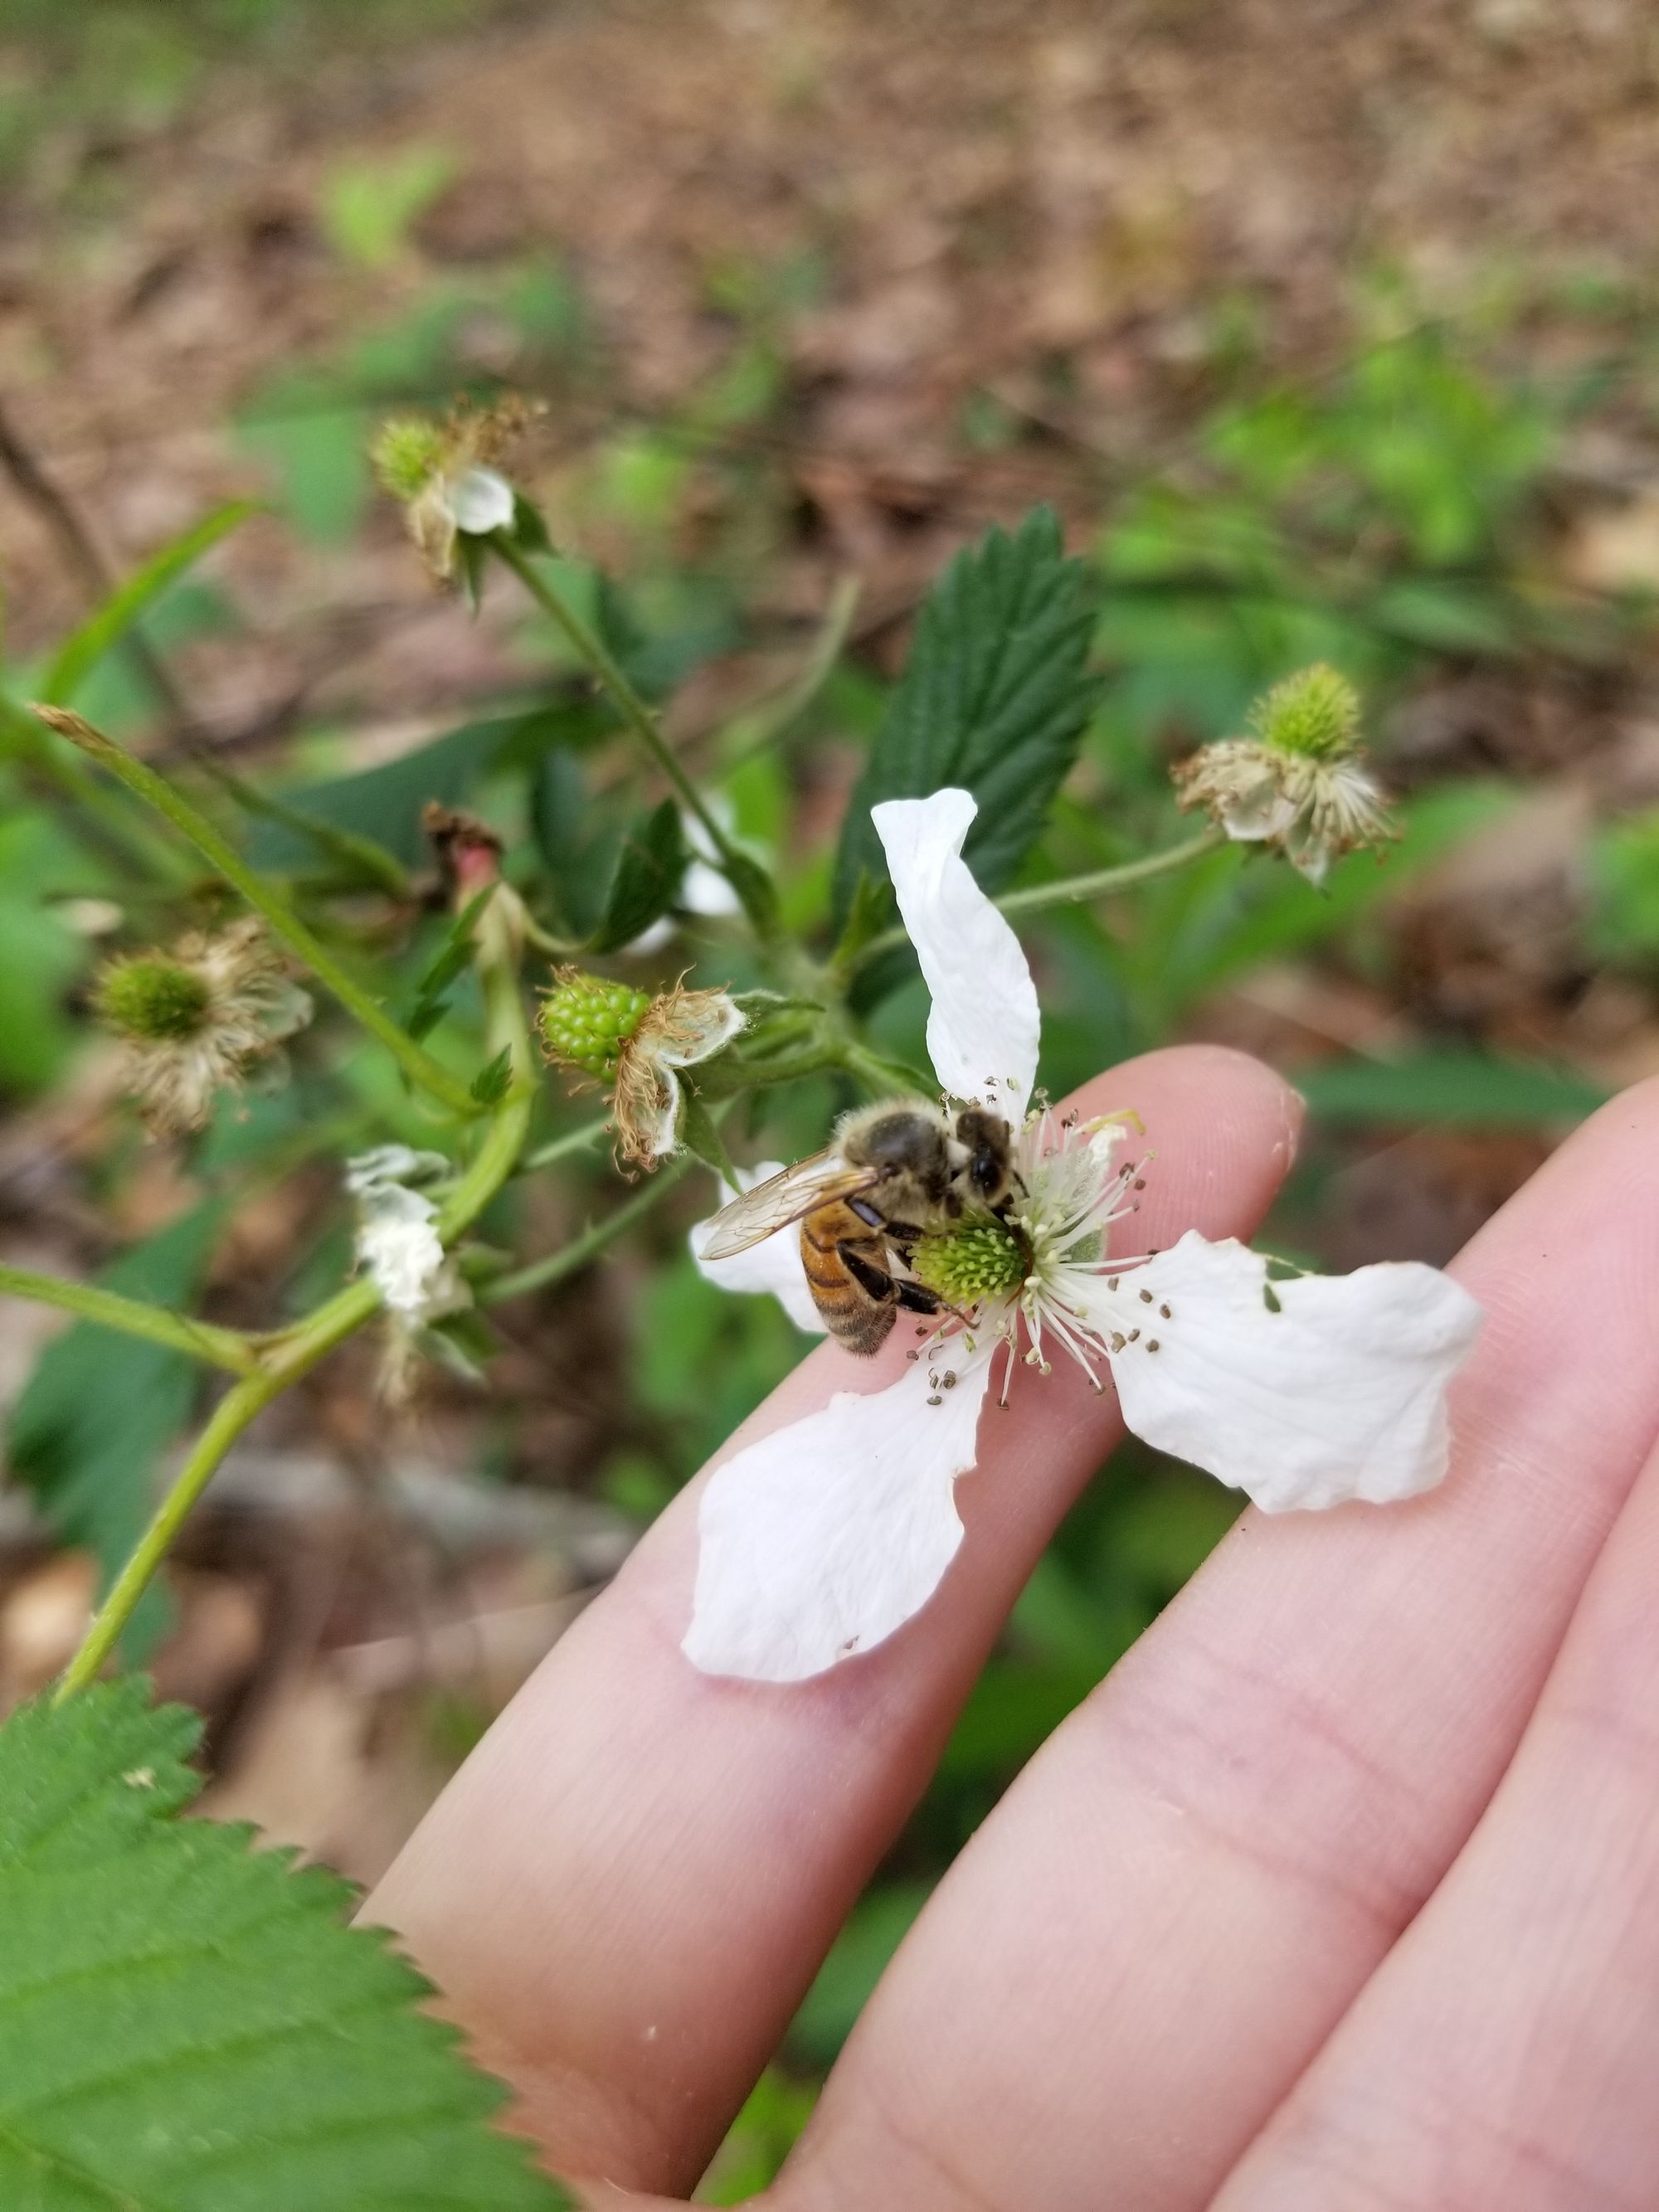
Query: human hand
{"type": "Point", "coordinates": [1336, 1895]}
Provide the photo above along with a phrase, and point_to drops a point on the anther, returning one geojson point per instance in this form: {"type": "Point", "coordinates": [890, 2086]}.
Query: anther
{"type": "Point", "coordinates": [936, 1400]}
{"type": "Point", "coordinates": [1167, 1315]}
{"type": "Point", "coordinates": [1118, 1340]}
{"type": "Point", "coordinates": [1146, 1297]}
{"type": "Point", "coordinates": [1134, 1336]}
{"type": "Point", "coordinates": [1140, 1182]}
{"type": "Point", "coordinates": [1112, 1282]}
{"type": "Point", "coordinates": [950, 1378]}
{"type": "Point", "coordinates": [1152, 1344]}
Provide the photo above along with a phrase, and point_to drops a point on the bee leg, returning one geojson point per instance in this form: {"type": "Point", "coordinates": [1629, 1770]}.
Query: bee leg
{"type": "Point", "coordinates": [875, 1281]}
{"type": "Point", "coordinates": [866, 1213]}
{"type": "Point", "coordinates": [916, 1298]}
{"type": "Point", "coordinates": [902, 1235]}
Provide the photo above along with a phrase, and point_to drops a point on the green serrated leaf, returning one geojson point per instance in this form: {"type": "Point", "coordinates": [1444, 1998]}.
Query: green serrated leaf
{"type": "Point", "coordinates": [385, 804]}
{"type": "Point", "coordinates": [994, 697]}
{"type": "Point", "coordinates": [187, 2025]}
{"type": "Point", "coordinates": [648, 872]}
{"type": "Point", "coordinates": [869, 910]}
{"type": "Point", "coordinates": [80, 652]}
{"type": "Point", "coordinates": [490, 1085]}
{"type": "Point", "coordinates": [100, 1408]}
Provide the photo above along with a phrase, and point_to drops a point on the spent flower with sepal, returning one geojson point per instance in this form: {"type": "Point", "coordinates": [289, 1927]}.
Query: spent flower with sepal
{"type": "Point", "coordinates": [821, 1540]}
{"type": "Point", "coordinates": [1298, 782]}
{"type": "Point", "coordinates": [202, 1017]}
{"type": "Point", "coordinates": [638, 1047]}
{"type": "Point", "coordinates": [445, 476]}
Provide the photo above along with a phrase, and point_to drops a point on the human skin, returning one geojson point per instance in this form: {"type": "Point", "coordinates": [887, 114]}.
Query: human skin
{"type": "Point", "coordinates": [1340, 1894]}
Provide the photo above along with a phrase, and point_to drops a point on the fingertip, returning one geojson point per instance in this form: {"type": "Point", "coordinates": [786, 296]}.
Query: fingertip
{"type": "Point", "coordinates": [1237, 1102]}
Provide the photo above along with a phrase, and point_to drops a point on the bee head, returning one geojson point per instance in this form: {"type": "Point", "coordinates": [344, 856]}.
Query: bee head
{"type": "Point", "coordinates": [988, 1140]}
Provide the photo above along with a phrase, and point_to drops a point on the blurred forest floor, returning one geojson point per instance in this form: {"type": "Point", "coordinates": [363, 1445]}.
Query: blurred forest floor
{"type": "Point", "coordinates": [810, 289]}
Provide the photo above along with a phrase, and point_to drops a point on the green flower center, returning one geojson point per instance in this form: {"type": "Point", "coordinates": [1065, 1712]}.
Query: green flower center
{"type": "Point", "coordinates": [969, 1265]}
{"type": "Point", "coordinates": [1315, 713]}
{"type": "Point", "coordinates": [407, 454]}
{"type": "Point", "coordinates": [156, 1000]}
{"type": "Point", "coordinates": [585, 1021]}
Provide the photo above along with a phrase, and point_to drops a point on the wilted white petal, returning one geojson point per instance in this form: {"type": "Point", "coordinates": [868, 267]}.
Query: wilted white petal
{"type": "Point", "coordinates": [983, 1026]}
{"type": "Point", "coordinates": [390, 1163]}
{"type": "Point", "coordinates": [480, 500]}
{"type": "Point", "coordinates": [399, 1246]}
{"type": "Point", "coordinates": [822, 1539]}
{"type": "Point", "coordinates": [1339, 1394]}
{"type": "Point", "coordinates": [701, 1022]}
{"type": "Point", "coordinates": [774, 1264]}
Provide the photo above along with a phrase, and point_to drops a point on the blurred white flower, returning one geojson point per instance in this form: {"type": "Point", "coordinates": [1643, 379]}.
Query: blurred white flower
{"type": "Point", "coordinates": [822, 1539]}
{"type": "Point", "coordinates": [398, 1242]}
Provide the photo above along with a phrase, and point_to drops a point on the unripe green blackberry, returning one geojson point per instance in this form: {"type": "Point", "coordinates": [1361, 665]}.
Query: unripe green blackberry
{"type": "Point", "coordinates": [154, 998]}
{"type": "Point", "coordinates": [407, 454]}
{"type": "Point", "coordinates": [586, 1020]}
{"type": "Point", "coordinates": [968, 1266]}
{"type": "Point", "coordinates": [1314, 713]}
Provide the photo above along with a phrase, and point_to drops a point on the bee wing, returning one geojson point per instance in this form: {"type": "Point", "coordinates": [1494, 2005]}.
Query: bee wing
{"type": "Point", "coordinates": [782, 1198]}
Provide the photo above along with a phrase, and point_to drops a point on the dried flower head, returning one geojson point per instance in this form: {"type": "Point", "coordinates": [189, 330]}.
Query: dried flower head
{"type": "Point", "coordinates": [445, 476]}
{"type": "Point", "coordinates": [1298, 782]}
{"type": "Point", "coordinates": [199, 1019]}
{"type": "Point", "coordinates": [636, 1045]}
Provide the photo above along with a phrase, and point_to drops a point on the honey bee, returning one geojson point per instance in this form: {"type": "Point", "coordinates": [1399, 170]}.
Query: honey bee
{"type": "Point", "coordinates": [891, 1175]}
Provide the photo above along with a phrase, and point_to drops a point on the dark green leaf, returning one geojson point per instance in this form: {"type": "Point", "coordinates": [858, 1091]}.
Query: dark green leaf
{"type": "Point", "coordinates": [994, 697]}
{"type": "Point", "coordinates": [869, 911]}
{"type": "Point", "coordinates": [385, 804]}
{"type": "Point", "coordinates": [1456, 1089]}
{"type": "Point", "coordinates": [80, 653]}
{"type": "Point", "coordinates": [189, 2026]}
{"type": "Point", "coordinates": [649, 869]}
{"type": "Point", "coordinates": [471, 562]}
{"type": "Point", "coordinates": [529, 526]}
{"type": "Point", "coordinates": [489, 1085]}
{"type": "Point", "coordinates": [100, 1408]}
{"type": "Point", "coordinates": [432, 994]}
{"type": "Point", "coordinates": [579, 841]}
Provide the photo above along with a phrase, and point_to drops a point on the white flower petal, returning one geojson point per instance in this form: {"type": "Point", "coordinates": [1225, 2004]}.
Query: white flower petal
{"type": "Point", "coordinates": [984, 1024]}
{"type": "Point", "coordinates": [774, 1264]}
{"type": "Point", "coordinates": [825, 1537]}
{"type": "Point", "coordinates": [480, 500]}
{"type": "Point", "coordinates": [1339, 1394]}
{"type": "Point", "coordinates": [705, 890]}
{"type": "Point", "coordinates": [399, 1246]}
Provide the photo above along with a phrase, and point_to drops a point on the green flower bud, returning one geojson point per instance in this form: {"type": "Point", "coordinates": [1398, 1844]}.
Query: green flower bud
{"type": "Point", "coordinates": [1315, 713]}
{"type": "Point", "coordinates": [586, 1020]}
{"type": "Point", "coordinates": [154, 999]}
{"type": "Point", "coordinates": [967, 1266]}
{"type": "Point", "coordinates": [407, 454]}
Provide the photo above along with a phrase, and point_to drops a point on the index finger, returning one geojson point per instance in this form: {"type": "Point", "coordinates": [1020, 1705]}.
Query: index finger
{"type": "Point", "coordinates": [627, 1889]}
